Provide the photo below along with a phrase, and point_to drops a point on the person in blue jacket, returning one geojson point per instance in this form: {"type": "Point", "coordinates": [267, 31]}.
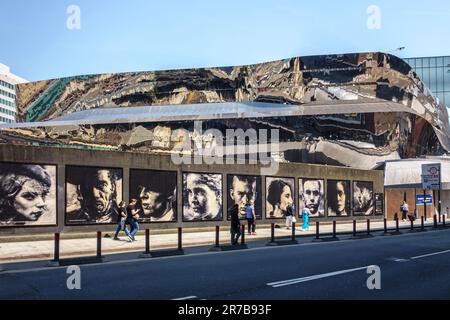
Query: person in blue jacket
{"type": "Point", "coordinates": [305, 217]}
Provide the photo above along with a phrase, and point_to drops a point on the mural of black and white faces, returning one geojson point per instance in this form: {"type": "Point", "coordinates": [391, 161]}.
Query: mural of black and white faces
{"type": "Point", "coordinates": [202, 197]}
{"type": "Point", "coordinates": [312, 195]}
{"type": "Point", "coordinates": [242, 190]}
{"type": "Point", "coordinates": [279, 196]}
{"type": "Point", "coordinates": [363, 198]}
{"type": "Point", "coordinates": [27, 195]}
{"type": "Point", "coordinates": [92, 195]}
{"type": "Point", "coordinates": [339, 199]}
{"type": "Point", "coordinates": [156, 192]}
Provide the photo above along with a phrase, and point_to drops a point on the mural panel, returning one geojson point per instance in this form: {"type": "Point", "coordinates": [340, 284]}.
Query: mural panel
{"type": "Point", "coordinates": [27, 195]}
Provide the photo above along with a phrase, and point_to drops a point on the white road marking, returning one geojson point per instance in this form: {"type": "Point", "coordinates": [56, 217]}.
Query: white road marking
{"type": "Point", "coordinates": [311, 278]}
{"type": "Point", "coordinates": [429, 255]}
{"type": "Point", "coordinates": [185, 298]}
{"type": "Point", "coordinates": [401, 260]}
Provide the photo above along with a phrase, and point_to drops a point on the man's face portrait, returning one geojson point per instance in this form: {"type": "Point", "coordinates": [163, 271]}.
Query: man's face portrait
{"type": "Point", "coordinates": [202, 196]}
{"type": "Point", "coordinates": [156, 194]}
{"type": "Point", "coordinates": [92, 194]}
{"type": "Point", "coordinates": [243, 190]}
{"type": "Point", "coordinates": [312, 196]}
{"type": "Point", "coordinates": [102, 190]}
{"type": "Point", "coordinates": [151, 201]}
{"type": "Point", "coordinates": [27, 194]}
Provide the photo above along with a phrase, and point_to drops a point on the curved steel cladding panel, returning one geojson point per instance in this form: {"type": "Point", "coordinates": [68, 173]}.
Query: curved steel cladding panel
{"type": "Point", "coordinates": [301, 80]}
{"type": "Point", "coordinates": [356, 110]}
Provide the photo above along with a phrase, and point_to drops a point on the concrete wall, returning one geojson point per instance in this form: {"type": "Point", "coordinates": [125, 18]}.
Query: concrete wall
{"type": "Point", "coordinates": [127, 161]}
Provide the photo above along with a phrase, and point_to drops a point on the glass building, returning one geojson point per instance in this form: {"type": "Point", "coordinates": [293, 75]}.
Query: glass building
{"type": "Point", "coordinates": [435, 72]}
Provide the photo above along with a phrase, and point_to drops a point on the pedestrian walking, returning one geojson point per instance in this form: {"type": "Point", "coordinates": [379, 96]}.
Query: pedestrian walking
{"type": "Point", "coordinates": [251, 217]}
{"type": "Point", "coordinates": [235, 224]}
{"type": "Point", "coordinates": [290, 219]}
{"type": "Point", "coordinates": [306, 213]}
{"type": "Point", "coordinates": [133, 217]}
{"type": "Point", "coordinates": [121, 221]}
{"type": "Point", "coordinates": [404, 209]}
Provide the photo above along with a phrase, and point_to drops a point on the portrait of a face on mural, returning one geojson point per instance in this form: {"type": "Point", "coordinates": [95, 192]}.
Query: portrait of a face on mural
{"type": "Point", "coordinates": [312, 196]}
{"type": "Point", "coordinates": [156, 194]}
{"type": "Point", "coordinates": [338, 193]}
{"type": "Point", "coordinates": [363, 198]}
{"type": "Point", "coordinates": [27, 195]}
{"type": "Point", "coordinates": [202, 197]}
{"type": "Point", "coordinates": [279, 196]}
{"type": "Point", "coordinates": [92, 195]}
{"type": "Point", "coordinates": [243, 190]}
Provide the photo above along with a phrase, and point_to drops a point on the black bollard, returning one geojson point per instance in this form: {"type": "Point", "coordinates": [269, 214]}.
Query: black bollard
{"type": "Point", "coordinates": [99, 244]}
{"type": "Point", "coordinates": [397, 228]}
{"type": "Point", "coordinates": [293, 232]}
{"type": "Point", "coordinates": [422, 224]}
{"type": "Point", "coordinates": [56, 253]}
{"type": "Point", "coordinates": [243, 234]}
{"type": "Point", "coordinates": [272, 232]}
{"type": "Point", "coordinates": [354, 228]}
{"type": "Point", "coordinates": [435, 225]}
{"type": "Point", "coordinates": [334, 229]}
{"type": "Point", "coordinates": [180, 239]}
{"type": "Point", "coordinates": [317, 230]}
{"type": "Point", "coordinates": [368, 227]}
{"type": "Point", "coordinates": [217, 237]}
{"type": "Point", "coordinates": [412, 225]}
{"type": "Point", "coordinates": [385, 225]}
{"type": "Point", "coordinates": [147, 241]}
{"type": "Point", "coordinates": [443, 220]}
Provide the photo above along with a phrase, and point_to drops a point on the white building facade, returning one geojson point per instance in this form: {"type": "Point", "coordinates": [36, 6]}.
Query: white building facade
{"type": "Point", "coordinates": [8, 82]}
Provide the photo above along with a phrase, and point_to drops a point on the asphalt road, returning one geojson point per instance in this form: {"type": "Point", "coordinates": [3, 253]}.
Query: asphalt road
{"type": "Point", "coordinates": [330, 270]}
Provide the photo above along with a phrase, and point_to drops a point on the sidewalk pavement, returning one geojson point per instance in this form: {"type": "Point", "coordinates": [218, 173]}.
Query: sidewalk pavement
{"type": "Point", "coordinates": [41, 250]}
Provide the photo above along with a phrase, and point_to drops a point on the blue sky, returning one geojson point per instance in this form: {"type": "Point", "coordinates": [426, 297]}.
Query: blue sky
{"type": "Point", "coordinates": [137, 35]}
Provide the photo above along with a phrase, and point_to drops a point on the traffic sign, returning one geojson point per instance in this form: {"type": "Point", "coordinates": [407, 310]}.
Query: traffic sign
{"type": "Point", "coordinates": [431, 176]}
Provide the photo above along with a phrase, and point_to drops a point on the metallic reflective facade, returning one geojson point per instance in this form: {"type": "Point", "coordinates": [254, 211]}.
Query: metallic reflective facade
{"type": "Point", "coordinates": [354, 110]}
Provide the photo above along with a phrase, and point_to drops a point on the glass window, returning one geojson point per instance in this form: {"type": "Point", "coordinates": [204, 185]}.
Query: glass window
{"type": "Point", "coordinates": [432, 62]}
{"type": "Point", "coordinates": [447, 61]}
{"type": "Point", "coordinates": [418, 63]}
{"type": "Point", "coordinates": [433, 79]}
{"type": "Point", "coordinates": [447, 80]}
{"type": "Point", "coordinates": [447, 99]}
{"type": "Point", "coordinates": [439, 61]}
{"type": "Point", "coordinates": [411, 62]}
{"type": "Point", "coordinates": [419, 73]}
{"type": "Point", "coordinates": [426, 62]}
{"type": "Point", "coordinates": [426, 77]}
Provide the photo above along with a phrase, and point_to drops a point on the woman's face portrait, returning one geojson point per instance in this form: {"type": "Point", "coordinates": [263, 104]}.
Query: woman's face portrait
{"type": "Point", "coordinates": [202, 196]}
{"type": "Point", "coordinates": [286, 198]}
{"type": "Point", "coordinates": [341, 197]}
{"type": "Point", "coordinates": [279, 196]}
{"type": "Point", "coordinates": [30, 201]}
{"type": "Point", "coordinates": [27, 194]}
